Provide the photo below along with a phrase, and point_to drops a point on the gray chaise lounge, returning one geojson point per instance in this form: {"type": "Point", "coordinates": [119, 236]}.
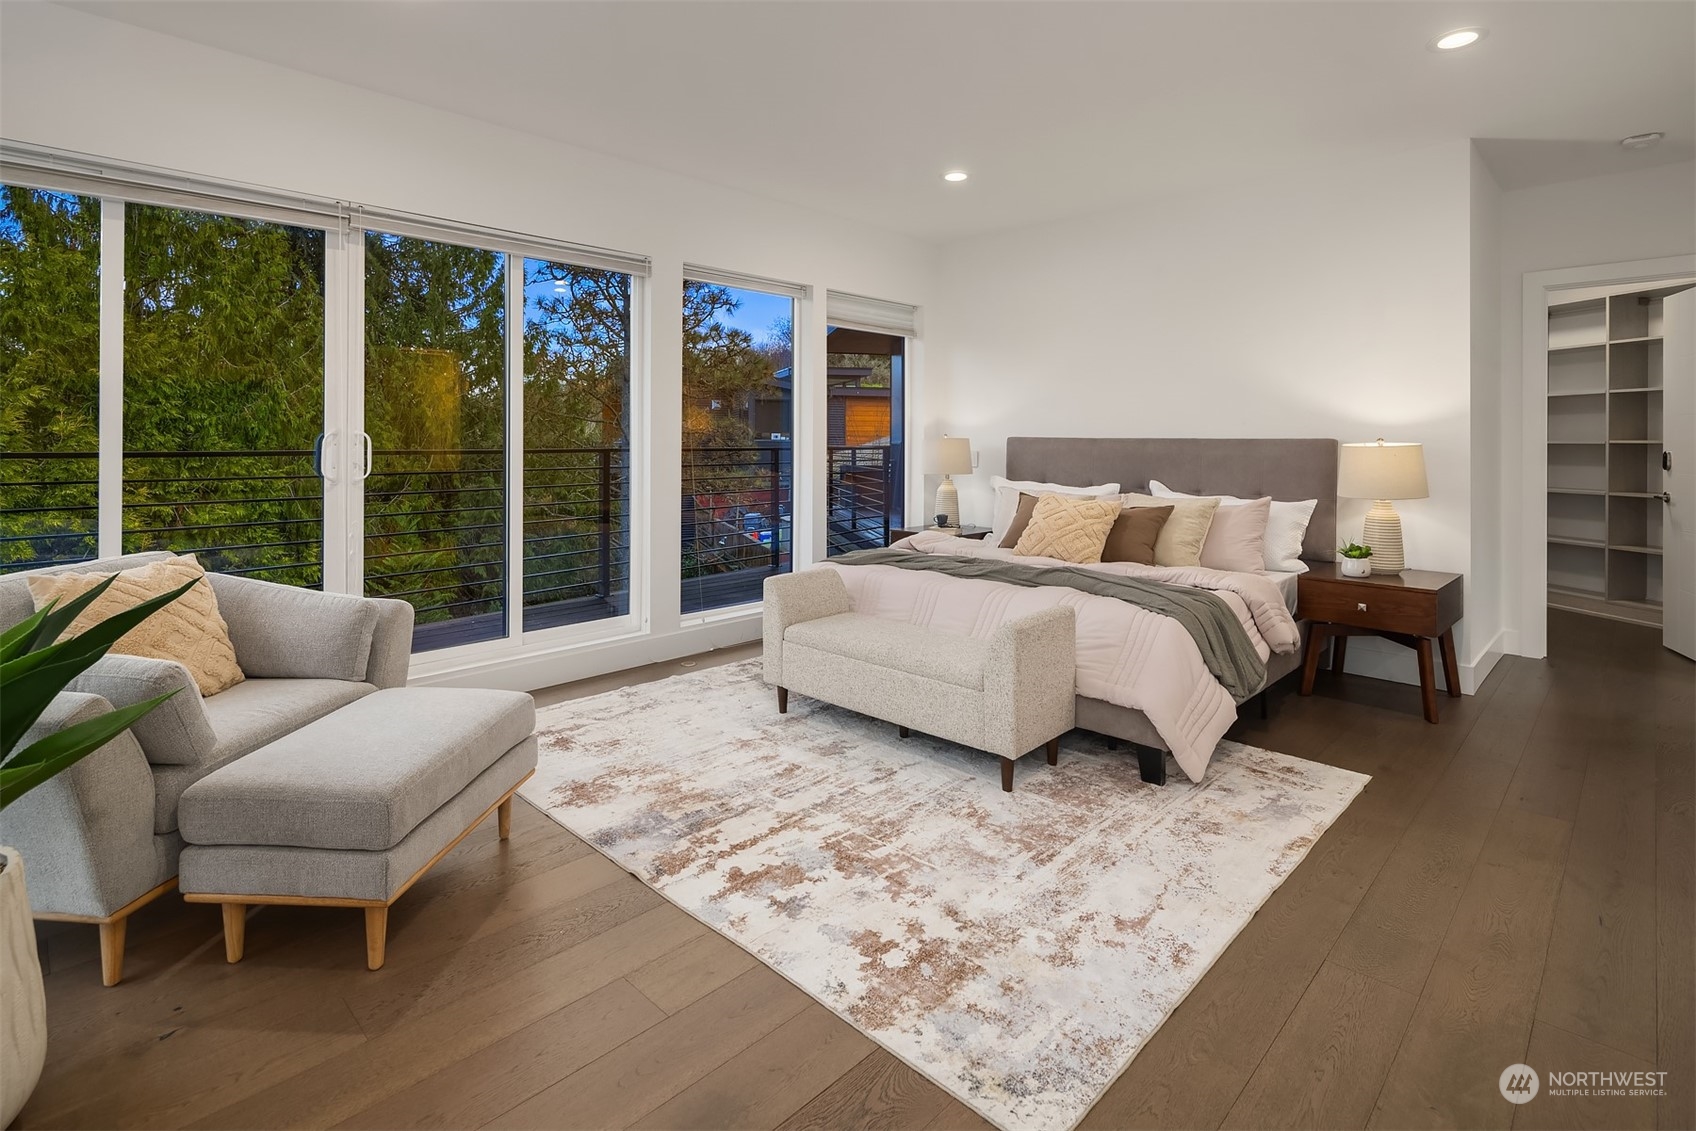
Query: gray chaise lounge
{"type": "Point", "coordinates": [102, 838]}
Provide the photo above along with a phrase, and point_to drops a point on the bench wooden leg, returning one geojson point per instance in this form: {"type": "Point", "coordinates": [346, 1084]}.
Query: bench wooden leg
{"type": "Point", "coordinates": [903, 732]}
{"type": "Point", "coordinates": [235, 931]}
{"type": "Point", "coordinates": [783, 700]}
{"type": "Point", "coordinates": [1151, 764]}
{"type": "Point", "coordinates": [1053, 751]}
{"type": "Point", "coordinates": [112, 951]}
{"type": "Point", "coordinates": [376, 936]}
{"type": "Point", "coordinates": [503, 818]}
{"type": "Point", "coordinates": [1007, 775]}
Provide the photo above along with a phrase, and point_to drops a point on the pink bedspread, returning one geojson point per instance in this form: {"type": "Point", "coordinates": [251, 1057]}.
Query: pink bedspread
{"type": "Point", "coordinates": [1125, 655]}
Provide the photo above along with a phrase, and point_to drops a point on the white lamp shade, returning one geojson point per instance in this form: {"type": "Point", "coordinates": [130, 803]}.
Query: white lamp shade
{"type": "Point", "coordinates": [951, 455]}
{"type": "Point", "coordinates": [1382, 471]}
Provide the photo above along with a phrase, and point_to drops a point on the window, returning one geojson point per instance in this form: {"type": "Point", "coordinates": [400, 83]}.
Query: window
{"type": "Point", "coordinates": [223, 392]}
{"type": "Point", "coordinates": [864, 474]}
{"type": "Point", "coordinates": [49, 377]}
{"type": "Point", "coordinates": [576, 444]}
{"type": "Point", "coordinates": [435, 409]}
{"type": "Point", "coordinates": [738, 463]}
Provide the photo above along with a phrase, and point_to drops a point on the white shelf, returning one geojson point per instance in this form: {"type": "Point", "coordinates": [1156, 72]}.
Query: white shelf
{"type": "Point", "coordinates": [1604, 438]}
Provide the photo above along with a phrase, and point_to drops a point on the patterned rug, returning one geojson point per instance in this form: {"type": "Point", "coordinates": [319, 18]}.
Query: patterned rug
{"type": "Point", "coordinates": [1017, 949]}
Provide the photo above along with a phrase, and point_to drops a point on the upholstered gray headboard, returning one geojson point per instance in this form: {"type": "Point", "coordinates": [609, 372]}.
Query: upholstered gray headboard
{"type": "Point", "coordinates": [1284, 469]}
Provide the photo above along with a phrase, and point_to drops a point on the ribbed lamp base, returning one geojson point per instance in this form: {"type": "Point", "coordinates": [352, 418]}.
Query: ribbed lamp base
{"type": "Point", "coordinates": [1383, 532]}
{"type": "Point", "coordinates": [948, 501]}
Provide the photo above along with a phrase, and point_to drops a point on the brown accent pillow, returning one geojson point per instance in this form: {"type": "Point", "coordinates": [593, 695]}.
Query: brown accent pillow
{"type": "Point", "coordinates": [1185, 531]}
{"type": "Point", "coordinates": [1021, 519]}
{"type": "Point", "coordinates": [1237, 539]}
{"type": "Point", "coordinates": [1070, 529]}
{"type": "Point", "coordinates": [1134, 534]}
{"type": "Point", "coordinates": [188, 630]}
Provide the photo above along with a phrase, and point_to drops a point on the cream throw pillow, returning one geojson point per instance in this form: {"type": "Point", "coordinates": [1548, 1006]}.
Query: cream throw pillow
{"type": "Point", "coordinates": [1068, 528]}
{"type": "Point", "coordinates": [1184, 534]}
{"type": "Point", "coordinates": [188, 630]}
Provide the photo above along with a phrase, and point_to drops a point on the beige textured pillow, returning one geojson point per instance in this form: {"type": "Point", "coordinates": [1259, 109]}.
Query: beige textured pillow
{"type": "Point", "coordinates": [1185, 532]}
{"type": "Point", "coordinates": [1237, 539]}
{"type": "Point", "coordinates": [188, 630]}
{"type": "Point", "coordinates": [1071, 529]}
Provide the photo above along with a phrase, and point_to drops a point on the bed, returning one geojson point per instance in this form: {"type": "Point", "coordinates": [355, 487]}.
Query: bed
{"type": "Point", "coordinates": [1285, 469]}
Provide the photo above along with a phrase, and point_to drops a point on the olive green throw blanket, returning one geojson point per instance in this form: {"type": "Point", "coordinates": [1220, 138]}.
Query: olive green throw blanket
{"type": "Point", "coordinates": [1219, 636]}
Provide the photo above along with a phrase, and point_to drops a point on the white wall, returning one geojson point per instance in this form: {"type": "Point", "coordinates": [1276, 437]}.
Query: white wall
{"type": "Point", "coordinates": [1333, 305]}
{"type": "Point", "coordinates": [136, 96]}
{"type": "Point", "coordinates": [1484, 587]}
{"type": "Point", "coordinates": [1646, 214]}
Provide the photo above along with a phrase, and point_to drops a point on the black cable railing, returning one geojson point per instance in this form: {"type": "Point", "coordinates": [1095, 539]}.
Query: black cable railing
{"type": "Point", "coordinates": [434, 529]}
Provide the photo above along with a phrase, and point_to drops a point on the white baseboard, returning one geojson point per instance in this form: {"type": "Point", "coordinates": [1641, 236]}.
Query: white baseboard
{"type": "Point", "coordinates": [1385, 659]}
{"type": "Point", "coordinates": [536, 670]}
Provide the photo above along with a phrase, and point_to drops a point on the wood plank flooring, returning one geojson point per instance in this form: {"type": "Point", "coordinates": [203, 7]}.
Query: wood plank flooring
{"type": "Point", "coordinates": [1515, 884]}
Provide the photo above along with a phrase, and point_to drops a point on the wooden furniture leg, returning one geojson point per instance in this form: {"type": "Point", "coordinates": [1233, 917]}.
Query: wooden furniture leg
{"type": "Point", "coordinates": [112, 951]}
{"type": "Point", "coordinates": [1339, 654]}
{"type": "Point", "coordinates": [783, 700]}
{"type": "Point", "coordinates": [113, 927]}
{"type": "Point", "coordinates": [1151, 764]}
{"type": "Point", "coordinates": [376, 935]}
{"type": "Point", "coordinates": [235, 931]}
{"type": "Point", "coordinates": [903, 732]}
{"type": "Point", "coordinates": [1310, 663]}
{"type": "Point", "coordinates": [503, 817]}
{"type": "Point", "coordinates": [1451, 668]}
{"type": "Point", "coordinates": [1053, 751]}
{"type": "Point", "coordinates": [1007, 775]}
{"type": "Point", "coordinates": [1427, 679]}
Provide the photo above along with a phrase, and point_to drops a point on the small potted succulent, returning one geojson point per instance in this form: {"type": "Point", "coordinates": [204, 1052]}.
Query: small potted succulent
{"type": "Point", "coordinates": [1357, 559]}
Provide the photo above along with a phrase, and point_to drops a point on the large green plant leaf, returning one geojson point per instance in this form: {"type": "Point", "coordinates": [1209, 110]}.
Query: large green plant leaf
{"type": "Point", "coordinates": [40, 760]}
{"type": "Point", "coordinates": [29, 683]}
{"type": "Point", "coordinates": [41, 629]}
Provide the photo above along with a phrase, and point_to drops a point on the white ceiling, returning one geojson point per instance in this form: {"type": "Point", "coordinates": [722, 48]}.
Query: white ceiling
{"type": "Point", "coordinates": [1056, 108]}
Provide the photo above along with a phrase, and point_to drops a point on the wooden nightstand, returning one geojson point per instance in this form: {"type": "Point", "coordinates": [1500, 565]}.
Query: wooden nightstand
{"type": "Point", "coordinates": [979, 532]}
{"type": "Point", "coordinates": [1413, 608]}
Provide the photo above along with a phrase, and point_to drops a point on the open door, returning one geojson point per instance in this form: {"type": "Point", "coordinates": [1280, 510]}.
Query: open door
{"type": "Point", "coordinates": [1678, 475]}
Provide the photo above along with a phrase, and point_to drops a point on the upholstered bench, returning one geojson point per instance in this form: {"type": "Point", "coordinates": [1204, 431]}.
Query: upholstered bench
{"type": "Point", "coordinates": [1007, 694]}
{"type": "Point", "coordinates": [351, 810]}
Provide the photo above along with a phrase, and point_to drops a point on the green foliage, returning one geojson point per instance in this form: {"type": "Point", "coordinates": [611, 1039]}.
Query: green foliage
{"type": "Point", "coordinates": [34, 669]}
{"type": "Point", "coordinates": [1354, 550]}
{"type": "Point", "coordinates": [223, 356]}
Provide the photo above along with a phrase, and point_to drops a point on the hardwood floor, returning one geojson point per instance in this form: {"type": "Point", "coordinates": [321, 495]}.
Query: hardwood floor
{"type": "Point", "coordinates": [1514, 885]}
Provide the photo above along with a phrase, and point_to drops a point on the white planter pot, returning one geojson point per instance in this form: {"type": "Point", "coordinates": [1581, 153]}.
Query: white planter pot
{"type": "Point", "coordinates": [1356, 567]}
{"type": "Point", "coordinates": [23, 1002]}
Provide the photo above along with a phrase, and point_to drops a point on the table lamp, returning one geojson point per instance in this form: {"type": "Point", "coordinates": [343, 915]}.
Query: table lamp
{"type": "Point", "coordinates": [1381, 472]}
{"type": "Point", "coordinates": [949, 456]}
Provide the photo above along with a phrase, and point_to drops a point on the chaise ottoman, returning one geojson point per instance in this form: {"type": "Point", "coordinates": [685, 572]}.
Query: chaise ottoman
{"type": "Point", "coordinates": [350, 810]}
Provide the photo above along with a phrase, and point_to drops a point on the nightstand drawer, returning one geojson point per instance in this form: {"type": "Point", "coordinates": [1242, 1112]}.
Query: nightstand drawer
{"type": "Point", "coordinates": [1412, 611]}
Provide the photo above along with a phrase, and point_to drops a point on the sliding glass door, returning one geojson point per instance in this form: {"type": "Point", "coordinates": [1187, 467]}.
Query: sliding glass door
{"type": "Point", "coordinates": [223, 392]}
{"type": "Point", "coordinates": [49, 377]}
{"type": "Point", "coordinates": [435, 410]}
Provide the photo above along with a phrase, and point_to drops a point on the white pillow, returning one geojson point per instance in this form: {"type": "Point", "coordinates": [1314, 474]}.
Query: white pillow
{"type": "Point", "coordinates": [1286, 526]}
{"type": "Point", "coordinates": [1007, 499]}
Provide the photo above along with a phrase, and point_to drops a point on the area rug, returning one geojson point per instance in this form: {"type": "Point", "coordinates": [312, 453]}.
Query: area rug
{"type": "Point", "coordinates": [1016, 948]}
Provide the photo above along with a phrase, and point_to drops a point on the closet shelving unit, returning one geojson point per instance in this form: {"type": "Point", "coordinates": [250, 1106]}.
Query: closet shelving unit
{"type": "Point", "coordinates": [1605, 382]}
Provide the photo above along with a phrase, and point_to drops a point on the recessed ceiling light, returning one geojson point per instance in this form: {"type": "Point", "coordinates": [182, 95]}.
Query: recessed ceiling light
{"type": "Point", "coordinates": [1642, 141]}
{"type": "Point", "coordinates": [1458, 38]}
{"type": "Point", "coordinates": [955, 175]}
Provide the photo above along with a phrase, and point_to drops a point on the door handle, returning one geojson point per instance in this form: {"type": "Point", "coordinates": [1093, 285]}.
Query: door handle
{"type": "Point", "coordinates": [365, 439]}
